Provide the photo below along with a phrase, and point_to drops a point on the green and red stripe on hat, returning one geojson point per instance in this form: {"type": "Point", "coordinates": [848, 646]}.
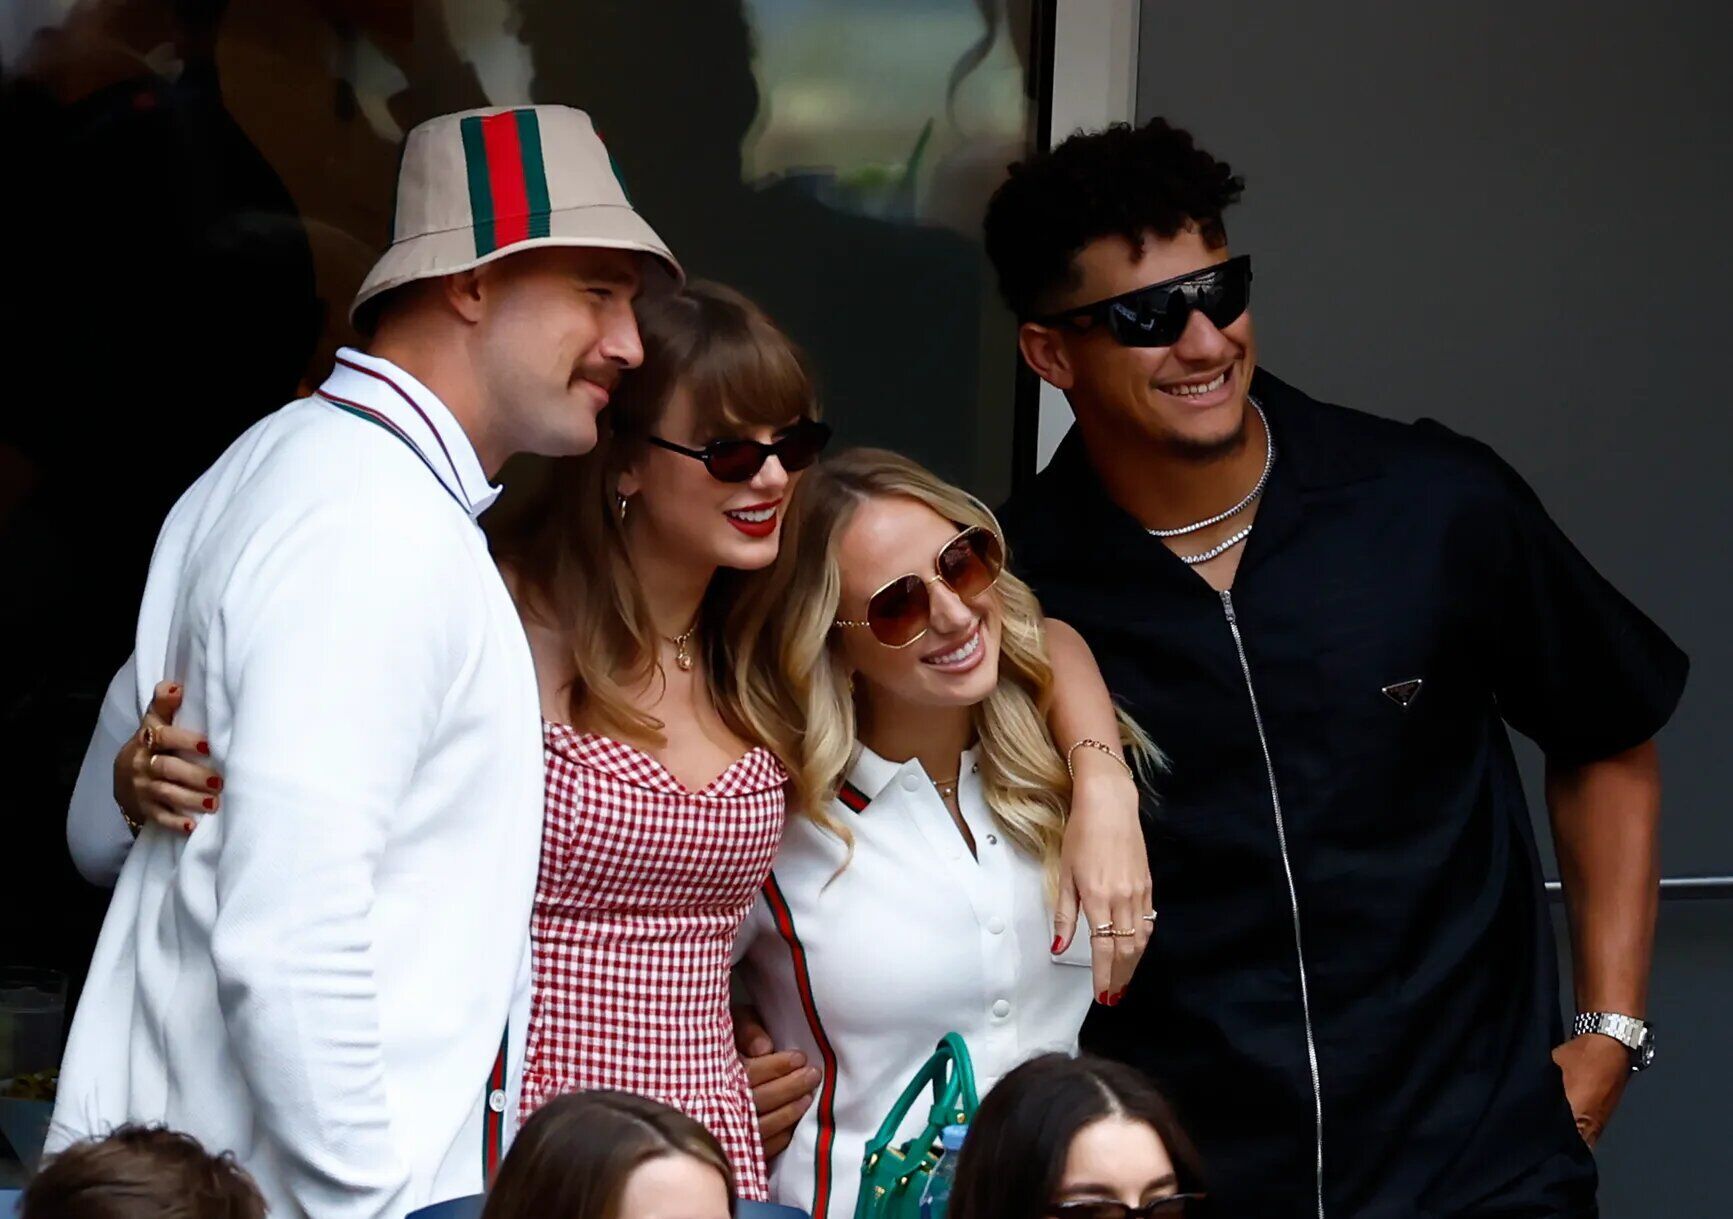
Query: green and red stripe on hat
{"type": "Point", "coordinates": [508, 180]}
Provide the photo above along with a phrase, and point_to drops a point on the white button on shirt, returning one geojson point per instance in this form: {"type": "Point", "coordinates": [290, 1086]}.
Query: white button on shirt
{"type": "Point", "coordinates": [914, 939]}
{"type": "Point", "coordinates": [318, 978]}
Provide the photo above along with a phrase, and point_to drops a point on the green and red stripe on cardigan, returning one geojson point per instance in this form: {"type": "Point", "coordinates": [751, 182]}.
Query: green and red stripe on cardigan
{"type": "Point", "coordinates": [493, 1120]}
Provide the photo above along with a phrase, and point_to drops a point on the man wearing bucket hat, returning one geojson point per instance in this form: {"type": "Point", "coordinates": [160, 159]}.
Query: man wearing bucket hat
{"type": "Point", "coordinates": [331, 979]}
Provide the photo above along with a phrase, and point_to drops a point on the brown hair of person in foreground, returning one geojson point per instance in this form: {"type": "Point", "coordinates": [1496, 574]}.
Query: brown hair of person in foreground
{"type": "Point", "coordinates": [142, 1172]}
{"type": "Point", "coordinates": [606, 1155]}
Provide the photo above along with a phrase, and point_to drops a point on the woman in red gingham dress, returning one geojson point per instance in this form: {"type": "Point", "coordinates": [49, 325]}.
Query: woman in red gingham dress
{"type": "Point", "coordinates": [663, 811]}
{"type": "Point", "coordinates": [643, 885]}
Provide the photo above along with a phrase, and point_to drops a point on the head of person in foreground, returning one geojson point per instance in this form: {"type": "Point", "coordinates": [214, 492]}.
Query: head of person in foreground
{"type": "Point", "coordinates": [141, 1172]}
{"type": "Point", "coordinates": [609, 1155]}
{"type": "Point", "coordinates": [1076, 1138]}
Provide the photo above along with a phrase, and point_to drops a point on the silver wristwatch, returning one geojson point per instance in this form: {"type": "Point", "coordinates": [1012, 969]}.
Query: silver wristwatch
{"type": "Point", "coordinates": [1635, 1035]}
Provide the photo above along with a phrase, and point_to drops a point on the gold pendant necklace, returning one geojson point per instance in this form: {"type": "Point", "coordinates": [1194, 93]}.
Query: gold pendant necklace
{"type": "Point", "coordinates": [947, 788]}
{"type": "Point", "coordinates": [682, 657]}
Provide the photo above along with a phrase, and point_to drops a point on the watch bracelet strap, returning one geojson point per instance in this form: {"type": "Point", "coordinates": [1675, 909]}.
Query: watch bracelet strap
{"type": "Point", "coordinates": [1628, 1031]}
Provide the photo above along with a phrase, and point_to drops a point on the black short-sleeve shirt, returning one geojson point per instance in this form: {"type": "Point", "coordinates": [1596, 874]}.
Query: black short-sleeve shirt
{"type": "Point", "coordinates": [1366, 894]}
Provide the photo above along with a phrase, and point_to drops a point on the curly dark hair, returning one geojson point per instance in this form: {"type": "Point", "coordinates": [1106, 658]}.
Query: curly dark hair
{"type": "Point", "coordinates": [1125, 181]}
{"type": "Point", "coordinates": [141, 1172]}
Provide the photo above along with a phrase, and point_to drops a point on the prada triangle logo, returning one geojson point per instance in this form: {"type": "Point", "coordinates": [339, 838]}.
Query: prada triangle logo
{"type": "Point", "coordinates": [1404, 692]}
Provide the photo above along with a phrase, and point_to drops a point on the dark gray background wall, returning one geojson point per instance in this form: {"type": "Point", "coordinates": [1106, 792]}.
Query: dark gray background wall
{"type": "Point", "coordinates": [1515, 218]}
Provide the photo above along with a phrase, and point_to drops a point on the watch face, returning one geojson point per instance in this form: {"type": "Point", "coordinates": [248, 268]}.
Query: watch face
{"type": "Point", "coordinates": [1646, 1056]}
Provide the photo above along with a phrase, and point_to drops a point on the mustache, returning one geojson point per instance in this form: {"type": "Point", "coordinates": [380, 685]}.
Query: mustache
{"type": "Point", "coordinates": [607, 376]}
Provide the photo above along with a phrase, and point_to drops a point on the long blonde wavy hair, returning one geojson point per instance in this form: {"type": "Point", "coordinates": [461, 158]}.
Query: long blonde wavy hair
{"type": "Point", "coordinates": [795, 690]}
{"type": "Point", "coordinates": [560, 533]}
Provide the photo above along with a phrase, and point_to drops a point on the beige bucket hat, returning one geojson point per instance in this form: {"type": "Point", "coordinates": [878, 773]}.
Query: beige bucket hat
{"type": "Point", "coordinates": [479, 185]}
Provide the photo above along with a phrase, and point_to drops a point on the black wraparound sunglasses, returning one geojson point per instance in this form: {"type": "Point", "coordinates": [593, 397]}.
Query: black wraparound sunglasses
{"type": "Point", "coordinates": [736, 460]}
{"type": "Point", "coordinates": [1156, 315]}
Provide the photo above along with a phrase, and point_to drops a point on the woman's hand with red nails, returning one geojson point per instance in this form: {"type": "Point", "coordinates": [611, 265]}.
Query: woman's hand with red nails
{"type": "Point", "coordinates": [166, 786]}
{"type": "Point", "coordinates": [1104, 871]}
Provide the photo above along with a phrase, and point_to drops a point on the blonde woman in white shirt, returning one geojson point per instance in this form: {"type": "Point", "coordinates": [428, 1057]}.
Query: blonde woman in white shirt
{"type": "Point", "coordinates": [907, 675]}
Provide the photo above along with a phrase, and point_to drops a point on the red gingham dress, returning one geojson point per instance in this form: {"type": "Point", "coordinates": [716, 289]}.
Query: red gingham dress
{"type": "Point", "coordinates": [643, 885]}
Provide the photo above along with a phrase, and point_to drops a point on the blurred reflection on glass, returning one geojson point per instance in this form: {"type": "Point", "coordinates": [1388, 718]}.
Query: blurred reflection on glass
{"type": "Point", "coordinates": [788, 149]}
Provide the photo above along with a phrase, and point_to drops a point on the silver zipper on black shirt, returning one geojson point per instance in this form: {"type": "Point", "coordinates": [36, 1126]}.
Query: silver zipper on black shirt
{"type": "Point", "coordinates": [1293, 891]}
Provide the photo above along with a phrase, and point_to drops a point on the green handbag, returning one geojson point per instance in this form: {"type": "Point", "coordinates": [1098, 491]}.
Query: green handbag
{"type": "Point", "coordinates": [892, 1178]}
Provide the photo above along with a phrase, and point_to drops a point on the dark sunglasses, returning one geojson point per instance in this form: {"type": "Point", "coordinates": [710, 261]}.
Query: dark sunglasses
{"type": "Point", "coordinates": [900, 612]}
{"type": "Point", "coordinates": [1156, 315]}
{"type": "Point", "coordinates": [737, 461]}
{"type": "Point", "coordinates": [1174, 1206]}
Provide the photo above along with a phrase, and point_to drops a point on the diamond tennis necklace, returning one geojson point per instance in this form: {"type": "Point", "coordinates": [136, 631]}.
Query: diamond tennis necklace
{"type": "Point", "coordinates": [1221, 548]}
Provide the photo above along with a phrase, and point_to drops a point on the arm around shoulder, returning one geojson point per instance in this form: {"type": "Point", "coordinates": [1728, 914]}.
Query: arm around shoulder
{"type": "Point", "coordinates": [95, 833]}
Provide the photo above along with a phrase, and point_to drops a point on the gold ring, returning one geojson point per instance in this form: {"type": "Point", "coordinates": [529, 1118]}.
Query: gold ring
{"type": "Point", "coordinates": [147, 738]}
{"type": "Point", "coordinates": [1148, 918]}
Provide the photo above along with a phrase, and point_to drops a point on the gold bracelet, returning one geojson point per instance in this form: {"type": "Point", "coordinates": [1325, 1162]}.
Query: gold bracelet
{"type": "Point", "coordinates": [1092, 743]}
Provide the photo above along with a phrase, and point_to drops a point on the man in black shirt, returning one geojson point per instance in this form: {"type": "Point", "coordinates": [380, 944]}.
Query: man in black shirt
{"type": "Point", "coordinates": [1327, 619]}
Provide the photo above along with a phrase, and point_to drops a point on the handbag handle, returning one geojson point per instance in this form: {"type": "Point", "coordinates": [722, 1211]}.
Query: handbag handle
{"type": "Point", "coordinates": [952, 1075]}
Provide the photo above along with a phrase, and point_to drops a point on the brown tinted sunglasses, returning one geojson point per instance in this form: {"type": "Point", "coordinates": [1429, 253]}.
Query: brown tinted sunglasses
{"type": "Point", "coordinates": [900, 612]}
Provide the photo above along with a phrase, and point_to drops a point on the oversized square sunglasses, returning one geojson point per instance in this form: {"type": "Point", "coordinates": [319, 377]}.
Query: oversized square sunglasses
{"type": "Point", "coordinates": [1156, 315]}
{"type": "Point", "coordinates": [901, 611]}
{"type": "Point", "coordinates": [735, 460]}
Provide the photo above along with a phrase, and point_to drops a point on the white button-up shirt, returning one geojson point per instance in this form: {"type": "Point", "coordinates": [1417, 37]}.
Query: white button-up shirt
{"type": "Point", "coordinates": [319, 977]}
{"type": "Point", "coordinates": [916, 938]}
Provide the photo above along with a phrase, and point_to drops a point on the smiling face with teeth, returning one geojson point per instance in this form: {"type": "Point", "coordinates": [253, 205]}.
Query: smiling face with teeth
{"type": "Point", "coordinates": [1190, 398]}
{"type": "Point", "coordinates": [715, 368]}
{"type": "Point", "coordinates": [956, 663]}
{"type": "Point", "coordinates": [677, 508]}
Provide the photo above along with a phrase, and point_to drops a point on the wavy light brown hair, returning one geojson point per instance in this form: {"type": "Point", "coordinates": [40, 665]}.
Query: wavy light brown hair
{"type": "Point", "coordinates": [563, 539]}
{"type": "Point", "coordinates": [573, 1158]}
{"type": "Point", "coordinates": [795, 689]}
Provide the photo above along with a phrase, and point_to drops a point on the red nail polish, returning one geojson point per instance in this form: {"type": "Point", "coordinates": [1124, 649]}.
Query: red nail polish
{"type": "Point", "coordinates": [1102, 999]}
{"type": "Point", "coordinates": [187, 829]}
{"type": "Point", "coordinates": [1058, 942]}
{"type": "Point", "coordinates": [210, 804]}
{"type": "Point", "coordinates": [214, 783]}
{"type": "Point", "coordinates": [1114, 1001]}
{"type": "Point", "coordinates": [173, 690]}
{"type": "Point", "coordinates": [205, 748]}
